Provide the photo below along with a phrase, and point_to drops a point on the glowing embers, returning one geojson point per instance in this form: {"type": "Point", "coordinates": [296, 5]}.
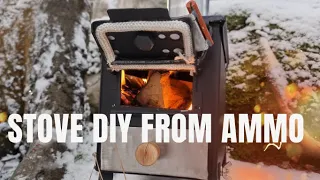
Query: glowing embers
{"type": "Point", "coordinates": [157, 89]}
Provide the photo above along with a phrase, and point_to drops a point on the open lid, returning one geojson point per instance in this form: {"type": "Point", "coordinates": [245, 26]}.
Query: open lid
{"type": "Point", "coordinates": [144, 39]}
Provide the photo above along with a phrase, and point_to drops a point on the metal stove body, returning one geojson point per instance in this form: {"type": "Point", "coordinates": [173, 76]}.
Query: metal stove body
{"type": "Point", "coordinates": [180, 160]}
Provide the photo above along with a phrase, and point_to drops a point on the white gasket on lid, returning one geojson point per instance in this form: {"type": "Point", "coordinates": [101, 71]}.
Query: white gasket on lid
{"type": "Point", "coordinates": [154, 26]}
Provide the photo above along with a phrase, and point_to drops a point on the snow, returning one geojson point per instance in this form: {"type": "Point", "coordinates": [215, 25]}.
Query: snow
{"type": "Point", "coordinates": [1, 64]}
{"type": "Point", "coordinates": [294, 27]}
{"type": "Point", "coordinates": [42, 67]}
{"type": "Point", "coordinates": [239, 171]}
{"type": "Point", "coordinates": [48, 37]}
{"type": "Point", "coordinates": [41, 85]}
{"type": "Point", "coordinates": [81, 63]}
{"type": "Point", "coordinates": [94, 57]}
{"type": "Point", "coordinates": [79, 159]}
{"type": "Point", "coordinates": [276, 71]}
{"type": "Point", "coordinates": [251, 76]}
{"type": "Point", "coordinates": [284, 13]}
{"type": "Point", "coordinates": [9, 55]}
{"type": "Point", "coordinates": [238, 35]}
{"type": "Point", "coordinates": [4, 127]}
{"type": "Point", "coordinates": [8, 165]}
{"type": "Point", "coordinates": [241, 86]}
{"type": "Point", "coordinates": [80, 60]}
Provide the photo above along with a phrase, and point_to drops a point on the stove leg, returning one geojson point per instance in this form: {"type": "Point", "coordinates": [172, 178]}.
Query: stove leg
{"type": "Point", "coordinates": [107, 176]}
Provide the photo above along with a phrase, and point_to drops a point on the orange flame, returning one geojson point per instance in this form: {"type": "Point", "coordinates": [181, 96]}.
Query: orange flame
{"type": "Point", "coordinates": [123, 78]}
{"type": "Point", "coordinates": [144, 80]}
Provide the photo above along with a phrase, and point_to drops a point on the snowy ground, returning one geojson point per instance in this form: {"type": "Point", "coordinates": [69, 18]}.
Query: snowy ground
{"type": "Point", "coordinates": [240, 171]}
{"type": "Point", "coordinates": [287, 24]}
{"type": "Point", "coordinates": [79, 160]}
{"type": "Point", "coordinates": [292, 30]}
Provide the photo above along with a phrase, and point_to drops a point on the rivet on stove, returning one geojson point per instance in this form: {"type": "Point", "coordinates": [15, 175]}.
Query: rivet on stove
{"type": "Point", "coordinates": [177, 50]}
{"type": "Point", "coordinates": [175, 36]}
{"type": "Point", "coordinates": [162, 36]}
{"type": "Point", "coordinates": [166, 51]}
{"type": "Point", "coordinates": [111, 38]}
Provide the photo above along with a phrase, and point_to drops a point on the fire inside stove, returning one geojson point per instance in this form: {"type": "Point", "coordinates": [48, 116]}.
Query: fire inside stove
{"type": "Point", "coordinates": [157, 89]}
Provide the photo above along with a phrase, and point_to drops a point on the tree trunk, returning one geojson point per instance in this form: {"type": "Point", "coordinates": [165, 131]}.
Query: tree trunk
{"type": "Point", "coordinates": [55, 76]}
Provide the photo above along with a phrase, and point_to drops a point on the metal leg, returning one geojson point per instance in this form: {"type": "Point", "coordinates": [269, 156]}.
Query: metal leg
{"type": "Point", "coordinates": [107, 176]}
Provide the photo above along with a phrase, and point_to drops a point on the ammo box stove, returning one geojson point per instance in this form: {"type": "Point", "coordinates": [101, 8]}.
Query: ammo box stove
{"type": "Point", "coordinates": [143, 45]}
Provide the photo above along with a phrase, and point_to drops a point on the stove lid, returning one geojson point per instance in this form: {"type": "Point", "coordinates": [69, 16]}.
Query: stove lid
{"type": "Point", "coordinates": [148, 39]}
{"type": "Point", "coordinates": [133, 14]}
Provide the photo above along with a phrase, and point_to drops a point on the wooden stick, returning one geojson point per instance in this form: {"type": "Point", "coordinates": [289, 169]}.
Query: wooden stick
{"type": "Point", "coordinates": [96, 161]}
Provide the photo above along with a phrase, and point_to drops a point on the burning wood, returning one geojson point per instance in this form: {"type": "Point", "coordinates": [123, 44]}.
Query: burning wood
{"type": "Point", "coordinates": [159, 91]}
{"type": "Point", "coordinates": [176, 93]}
{"type": "Point", "coordinates": [151, 94]}
{"type": "Point", "coordinates": [135, 82]}
{"type": "Point", "coordinates": [127, 97]}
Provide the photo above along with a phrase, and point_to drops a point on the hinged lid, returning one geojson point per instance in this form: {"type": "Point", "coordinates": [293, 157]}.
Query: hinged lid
{"type": "Point", "coordinates": [145, 39]}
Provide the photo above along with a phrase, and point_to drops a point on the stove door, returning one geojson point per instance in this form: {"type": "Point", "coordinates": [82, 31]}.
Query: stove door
{"type": "Point", "coordinates": [185, 160]}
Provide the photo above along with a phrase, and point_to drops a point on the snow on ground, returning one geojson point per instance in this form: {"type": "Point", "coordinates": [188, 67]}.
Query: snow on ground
{"type": "Point", "coordinates": [300, 16]}
{"type": "Point", "coordinates": [291, 28]}
{"type": "Point", "coordinates": [79, 159]}
{"type": "Point", "coordinates": [8, 164]}
{"type": "Point", "coordinates": [239, 171]}
{"type": "Point", "coordinates": [289, 25]}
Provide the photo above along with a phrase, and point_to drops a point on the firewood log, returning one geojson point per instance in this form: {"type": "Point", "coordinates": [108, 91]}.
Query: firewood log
{"type": "Point", "coordinates": [134, 82]}
{"type": "Point", "coordinates": [177, 94]}
{"type": "Point", "coordinates": [151, 94]}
